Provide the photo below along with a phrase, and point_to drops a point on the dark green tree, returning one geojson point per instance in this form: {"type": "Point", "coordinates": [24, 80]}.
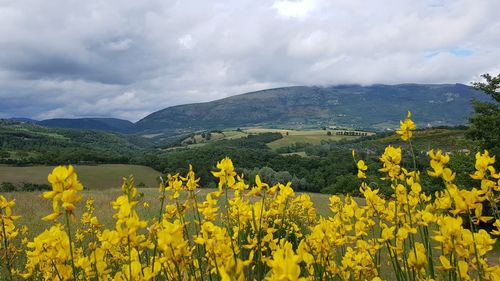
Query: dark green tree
{"type": "Point", "coordinates": [485, 122]}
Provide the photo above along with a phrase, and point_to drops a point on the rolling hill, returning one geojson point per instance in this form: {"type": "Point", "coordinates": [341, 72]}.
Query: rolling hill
{"type": "Point", "coordinates": [104, 124]}
{"type": "Point", "coordinates": [25, 142]}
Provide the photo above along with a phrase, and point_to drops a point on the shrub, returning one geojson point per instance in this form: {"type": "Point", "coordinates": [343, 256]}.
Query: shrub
{"type": "Point", "coordinates": [7, 187]}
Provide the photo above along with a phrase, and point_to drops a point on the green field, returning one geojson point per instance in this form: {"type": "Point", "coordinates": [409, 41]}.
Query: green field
{"type": "Point", "coordinates": [290, 136]}
{"type": "Point", "coordinates": [97, 177]}
{"type": "Point", "coordinates": [198, 140]}
{"type": "Point", "coordinates": [444, 139]}
{"type": "Point", "coordinates": [31, 216]}
{"type": "Point", "coordinates": [305, 136]}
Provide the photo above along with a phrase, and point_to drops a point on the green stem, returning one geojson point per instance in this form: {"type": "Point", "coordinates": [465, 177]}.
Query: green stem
{"type": "Point", "coordinates": [95, 266]}
{"type": "Point", "coordinates": [129, 258]}
{"type": "Point", "coordinates": [260, 265]}
{"type": "Point", "coordinates": [393, 261]}
{"type": "Point", "coordinates": [228, 227]}
{"type": "Point", "coordinates": [187, 236]}
{"type": "Point", "coordinates": [160, 216]}
{"type": "Point", "coordinates": [479, 267]}
{"type": "Point", "coordinates": [6, 245]}
{"type": "Point", "coordinates": [70, 246]}
{"type": "Point", "coordinates": [413, 156]}
{"type": "Point", "coordinates": [57, 271]}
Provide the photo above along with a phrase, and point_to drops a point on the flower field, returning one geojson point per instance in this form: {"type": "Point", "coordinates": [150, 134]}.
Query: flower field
{"type": "Point", "coordinates": [263, 232]}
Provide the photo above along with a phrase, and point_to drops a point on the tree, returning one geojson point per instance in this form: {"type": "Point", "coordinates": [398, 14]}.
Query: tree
{"type": "Point", "coordinates": [491, 87]}
{"type": "Point", "coordinates": [485, 122]}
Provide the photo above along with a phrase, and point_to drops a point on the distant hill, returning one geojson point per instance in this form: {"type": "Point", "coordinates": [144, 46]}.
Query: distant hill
{"type": "Point", "coordinates": [369, 107]}
{"type": "Point", "coordinates": [24, 142]}
{"type": "Point", "coordinates": [23, 120]}
{"type": "Point", "coordinates": [104, 124]}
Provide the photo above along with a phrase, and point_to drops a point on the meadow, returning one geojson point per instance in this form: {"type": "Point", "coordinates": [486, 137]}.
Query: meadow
{"type": "Point", "coordinates": [93, 177]}
{"type": "Point", "coordinates": [241, 231]}
{"type": "Point", "coordinates": [31, 216]}
{"type": "Point", "coordinates": [289, 136]}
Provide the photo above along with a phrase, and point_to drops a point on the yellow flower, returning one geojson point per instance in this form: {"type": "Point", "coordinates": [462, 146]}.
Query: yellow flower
{"type": "Point", "coordinates": [48, 250]}
{"type": "Point", "coordinates": [406, 128]}
{"type": "Point", "coordinates": [226, 173]}
{"type": "Point", "coordinates": [438, 160]}
{"type": "Point", "coordinates": [463, 270]}
{"type": "Point", "coordinates": [391, 160]}
{"type": "Point", "coordinates": [448, 175]}
{"type": "Point", "coordinates": [387, 234]}
{"type": "Point", "coordinates": [65, 187]}
{"type": "Point", "coordinates": [209, 207]}
{"type": "Point", "coordinates": [483, 162]}
{"type": "Point", "coordinates": [240, 185]}
{"type": "Point", "coordinates": [446, 265]}
{"type": "Point", "coordinates": [7, 226]}
{"type": "Point", "coordinates": [497, 230]}
{"type": "Point", "coordinates": [417, 257]}
{"type": "Point", "coordinates": [284, 264]}
{"type": "Point", "coordinates": [255, 191]}
{"type": "Point", "coordinates": [192, 181]}
{"type": "Point", "coordinates": [362, 169]}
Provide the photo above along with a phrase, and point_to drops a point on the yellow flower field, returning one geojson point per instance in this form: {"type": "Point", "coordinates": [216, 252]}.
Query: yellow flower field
{"type": "Point", "coordinates": [265, 232]}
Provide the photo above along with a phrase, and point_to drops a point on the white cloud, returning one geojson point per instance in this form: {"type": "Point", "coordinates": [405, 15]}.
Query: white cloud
{"type": "Point", "coordinates": [187, 41]}
{"type": "Point", "coordinates": [296, 9]}
{"type": "Point", "coordinates": [126, 59]}
{"type": "Point", "coordinates": [119, 45]}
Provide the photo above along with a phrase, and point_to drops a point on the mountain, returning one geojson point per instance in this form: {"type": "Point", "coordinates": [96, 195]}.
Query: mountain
{"type": "Point", "coordinates": [104, 124]}
{"type": "Point", "coordinates": [375, 107]}
{"type": "Point", "coordinates": [23, 120]}
{"type": "Point", "coordinates": [369, 107]}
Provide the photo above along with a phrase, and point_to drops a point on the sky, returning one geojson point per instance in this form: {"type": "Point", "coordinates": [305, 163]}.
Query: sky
{"type": "Point", "coordinates": [129, 58]}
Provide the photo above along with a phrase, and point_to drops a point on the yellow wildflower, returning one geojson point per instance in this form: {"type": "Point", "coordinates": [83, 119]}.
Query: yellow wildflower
{"type": "Point", "coordinates": [192, 181]}
{"type": "Point", "coordinates": [65, 187]}
{"type": "Point", "coordinates": [417, 257]}
{"type": "Point", "coordinates": [406, 128]}
{"type": "Point", "coordinates": [362, 169]}
{"type": "Point", "coordinates": [226, 173]}
{"type": "Point", "coordinates": [391, 160]}
{"type": "Point", "coordinates": [284, 264]}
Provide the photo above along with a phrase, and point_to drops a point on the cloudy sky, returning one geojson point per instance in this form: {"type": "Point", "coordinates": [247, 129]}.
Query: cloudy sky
{"type": "Point", "coordinates": [128, 58]}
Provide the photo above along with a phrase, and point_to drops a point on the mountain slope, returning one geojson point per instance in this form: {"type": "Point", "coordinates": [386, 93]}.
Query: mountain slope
{"type": "Point", "coordinates": [374, 107]}
{"type": "Point", "coordinates": [104, 124]}
{"type": "Point", "coordinates": [22, 142]}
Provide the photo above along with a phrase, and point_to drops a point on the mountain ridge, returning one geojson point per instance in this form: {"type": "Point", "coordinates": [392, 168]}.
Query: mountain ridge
{"type": "Point", "coordinates": [104, 124]}
{"type": "Point", "coordinates": [99, 123]}
{"type": "Point", "coordinates": [374, 107]}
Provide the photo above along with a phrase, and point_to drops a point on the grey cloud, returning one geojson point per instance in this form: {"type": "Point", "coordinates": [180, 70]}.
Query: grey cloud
{"type": "Point", "coordinates": [127, 58]}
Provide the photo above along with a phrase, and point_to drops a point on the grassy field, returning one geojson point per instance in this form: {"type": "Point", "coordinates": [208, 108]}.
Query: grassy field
{"type": "Point", "coordinates": [31, 216]}
{"type": "Point", "coordinates": [444, 139]}
{"type": "Point", "coordinates": [290, 136]}
{"type": "Point", "coordinates": [304, 136]}
{"type": "Point", "coordinates": [97, 177]}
